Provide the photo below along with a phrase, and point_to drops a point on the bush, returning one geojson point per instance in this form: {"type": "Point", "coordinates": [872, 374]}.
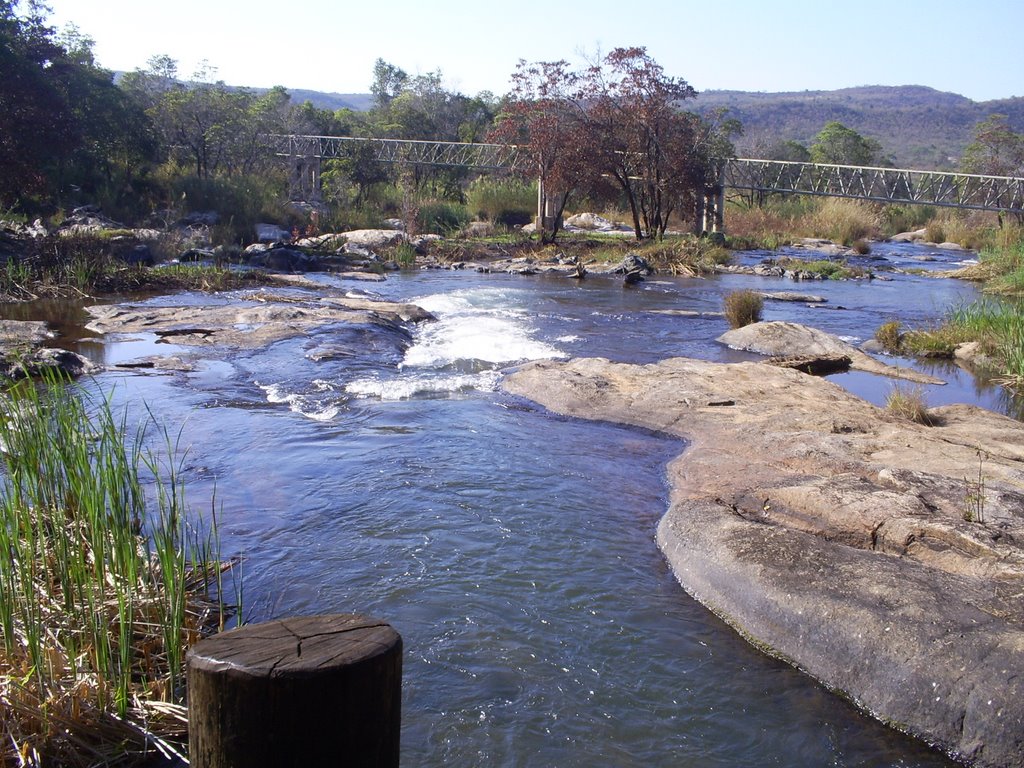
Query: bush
{"type": "Point", "coordinates": [845, 221]}
{"type": "Point", "coordinates": [743, 308]}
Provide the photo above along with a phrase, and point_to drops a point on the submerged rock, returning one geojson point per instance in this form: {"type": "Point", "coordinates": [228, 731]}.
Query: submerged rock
{"type": "Point", "coordinates": [837, 536]}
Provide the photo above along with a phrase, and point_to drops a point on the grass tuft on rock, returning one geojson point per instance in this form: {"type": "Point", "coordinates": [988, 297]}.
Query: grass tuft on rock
{"type": "Point", "coordinates": [743, 308]}
{"type": "Point", "coordinates": [908, 403]}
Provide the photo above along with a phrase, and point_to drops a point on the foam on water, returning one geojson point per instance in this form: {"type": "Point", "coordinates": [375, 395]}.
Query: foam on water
{"type": "Point", "coordinates": [482, 326]}
{"type": "Point", "coordinates": [408, 387]}
{"type": "Point", "coordinates": [307, 405]}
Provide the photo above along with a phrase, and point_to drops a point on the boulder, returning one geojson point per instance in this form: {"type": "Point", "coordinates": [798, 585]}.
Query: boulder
{"type": "Point", "coordinates": [589, 221]}
{"type": "Point", "coordinates": [837, 536]}
{"type": "Point", "coordinates": [283, 259]}
{"type": "Point", "coordinates": [805, 298]}
{"type": "Point", "coordinates": [271, 233]}
{"type": "Point", "coordinates": [909, 237]}
{"type": "Point", "coordinates": [783, 339]}
{"type": "Point", "coordinates": [374, 238]}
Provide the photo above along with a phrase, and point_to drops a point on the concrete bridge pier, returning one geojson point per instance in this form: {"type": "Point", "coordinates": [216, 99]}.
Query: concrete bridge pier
{"type": "Point", "coordinates": [545, 207]}
{"type": "Point", "coordinates": [304, 179]}
{"type": "Point", "coordinates": [712, 210]}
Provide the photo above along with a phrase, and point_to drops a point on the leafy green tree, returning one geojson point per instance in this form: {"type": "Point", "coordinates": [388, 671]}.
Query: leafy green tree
{"type": "Point", "coordinates": [64, 125]}
{"type": "Point", "coordinates": [996, 151]}
{"type": "Point", "coordinates": [839, 145]}
{"type": "Point", "coordinates": [388, 82]}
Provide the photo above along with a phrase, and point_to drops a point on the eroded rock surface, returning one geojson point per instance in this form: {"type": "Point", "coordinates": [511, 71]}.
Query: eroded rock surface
{"type": "Point", "coordinates": [839, 537]}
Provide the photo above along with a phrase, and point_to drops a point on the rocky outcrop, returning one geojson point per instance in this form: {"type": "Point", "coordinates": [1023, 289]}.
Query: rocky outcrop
{"type": "Point", "coordinates": [880, 556]}
{"type": "Point", "coordinates": [784, 339]}
{"type": "Point", "coordinates": [262, 320]}
{"type": "Point", "coordinates": [21, 353]}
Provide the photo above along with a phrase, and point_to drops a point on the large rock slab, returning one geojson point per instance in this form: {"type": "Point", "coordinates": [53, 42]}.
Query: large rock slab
{"type": "Point", "coordinates": [834, 535]}
{"type": "Point", "coordinates": [248, 324]}
{"type": "Point", "coordinates": [783, 339]}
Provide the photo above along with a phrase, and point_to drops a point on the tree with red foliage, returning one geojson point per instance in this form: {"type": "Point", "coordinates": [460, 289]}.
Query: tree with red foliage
{"type": "Point", "coordinates": [543, 117]}
{"type": "Point", "coordinates": [619, 120]}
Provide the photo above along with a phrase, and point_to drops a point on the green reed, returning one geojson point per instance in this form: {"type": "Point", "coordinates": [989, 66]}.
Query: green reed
{"type": "Point", "coordinates": [104, 579]}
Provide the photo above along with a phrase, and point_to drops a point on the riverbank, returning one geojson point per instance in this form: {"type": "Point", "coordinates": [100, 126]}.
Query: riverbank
{"type": "Point", "coordinates": [882, 557]}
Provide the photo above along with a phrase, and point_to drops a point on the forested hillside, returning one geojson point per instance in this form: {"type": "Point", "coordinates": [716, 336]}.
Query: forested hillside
{"type": "Point", "coordinates": [917, 126]}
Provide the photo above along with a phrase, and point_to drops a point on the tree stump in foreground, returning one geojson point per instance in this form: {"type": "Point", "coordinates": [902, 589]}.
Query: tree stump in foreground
{"type": "Point", "coordinates": [308, 691]}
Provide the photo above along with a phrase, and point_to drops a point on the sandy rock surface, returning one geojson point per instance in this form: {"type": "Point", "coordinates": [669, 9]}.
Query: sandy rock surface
{"type": "Point", "coordinates": [837, 536]}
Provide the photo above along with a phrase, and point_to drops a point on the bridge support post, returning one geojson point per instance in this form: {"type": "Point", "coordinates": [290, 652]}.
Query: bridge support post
{"type": "Point", "coordinates": [304, 179]}
{"type": "Point", "coordinates": [545, 207]}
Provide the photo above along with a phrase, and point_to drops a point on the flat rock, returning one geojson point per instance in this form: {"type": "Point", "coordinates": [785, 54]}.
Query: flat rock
{"type": "Point", "coordinates": [805, 298]}
{"type": "Point", "coordinates": [833, 534]}
{"type": "Point", "coordinates": [248, 325]}
{"type": "Point", "coordinates": [784, 339]}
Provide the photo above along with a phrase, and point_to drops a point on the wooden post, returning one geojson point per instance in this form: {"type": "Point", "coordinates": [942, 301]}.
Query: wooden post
{"type": "Point", "coordinates": [308, 691]}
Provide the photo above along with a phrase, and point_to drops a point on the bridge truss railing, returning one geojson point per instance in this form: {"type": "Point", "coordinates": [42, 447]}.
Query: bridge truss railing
{"type": "Point", "coordinates": [443, 153]}
{"type": "Point", "coordinates": [885, 185]}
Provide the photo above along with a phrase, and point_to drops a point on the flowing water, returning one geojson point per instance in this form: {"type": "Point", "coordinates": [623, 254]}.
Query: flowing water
{"type": "Point", "coordinates": [360, 470]}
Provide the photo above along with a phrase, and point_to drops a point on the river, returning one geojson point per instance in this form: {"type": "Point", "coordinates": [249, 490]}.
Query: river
{"type": "Point", "coordinates": [512, 549]}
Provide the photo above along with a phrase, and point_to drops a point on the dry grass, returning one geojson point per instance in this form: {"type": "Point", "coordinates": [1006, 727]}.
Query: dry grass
{"type": "Point", "coordinates": [743, 308]}
{"type": "Point", "coordinates": [908, 403]}
{"type": "Point", "coordinates": [890, 336]}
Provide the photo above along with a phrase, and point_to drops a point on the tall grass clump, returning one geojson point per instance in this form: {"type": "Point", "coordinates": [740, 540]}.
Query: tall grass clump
{"type": "Point", "coordinates": [845, 221]}
{"type": "Point", "coordinates": [999, 327]}
{"type": "Point", "coordinates": [505, 202]}
{"type": "Point", "coordinates": [743, 308]}
{"type": "Point", "coordinates": [104, 583]}
{"type": "Point", "coordinates": [908, 403]}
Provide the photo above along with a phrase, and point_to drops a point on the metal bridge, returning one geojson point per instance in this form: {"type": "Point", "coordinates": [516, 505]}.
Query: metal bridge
{"type": "Point", "coordinates": [884, 185]}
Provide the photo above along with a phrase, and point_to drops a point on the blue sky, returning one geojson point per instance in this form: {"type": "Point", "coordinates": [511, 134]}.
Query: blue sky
{"type": "Point", "coordinates": [970, 48]}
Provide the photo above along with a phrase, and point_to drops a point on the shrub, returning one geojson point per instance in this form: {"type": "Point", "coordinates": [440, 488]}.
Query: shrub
{"type": "Point", "coordinates": [889, 335]}
{"type": "Point", "coordinates": [743, 308]}
{"type": "Point", "coordinates": [908, 403]}
{"type": "Point", "coordinates": [861, 247]}
{"type": "Point", "coordinates": [441, 217]}
{"type": "Point", "coordinates": [934, 233]}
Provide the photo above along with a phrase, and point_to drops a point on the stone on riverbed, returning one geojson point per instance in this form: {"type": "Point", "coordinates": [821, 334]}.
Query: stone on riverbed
{"type": "Point", "coordinates": [784, 339]}
{"type": "Point", "coordinates": [835, 535]}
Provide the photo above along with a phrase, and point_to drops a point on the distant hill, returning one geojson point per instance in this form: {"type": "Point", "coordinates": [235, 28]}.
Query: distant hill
{"type": "Point", "coordinates": [359, 102]}
{"type": "Point", "coordinates": [918, 127]}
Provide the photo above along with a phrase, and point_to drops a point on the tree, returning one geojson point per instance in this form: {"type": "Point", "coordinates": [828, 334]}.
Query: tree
{"type": "Point", "coordinates": [839, 145]}
{"type": "Point", "coordinates": [388, 82]}
{"type": "Point", "coordinates": [542, 116]}
{"type": "Point", "coordinates": [617, 120]}
{"type": "Point", "coordinates": [63, 122]}
{"type": "Point", "coordinates": [996, 150]}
